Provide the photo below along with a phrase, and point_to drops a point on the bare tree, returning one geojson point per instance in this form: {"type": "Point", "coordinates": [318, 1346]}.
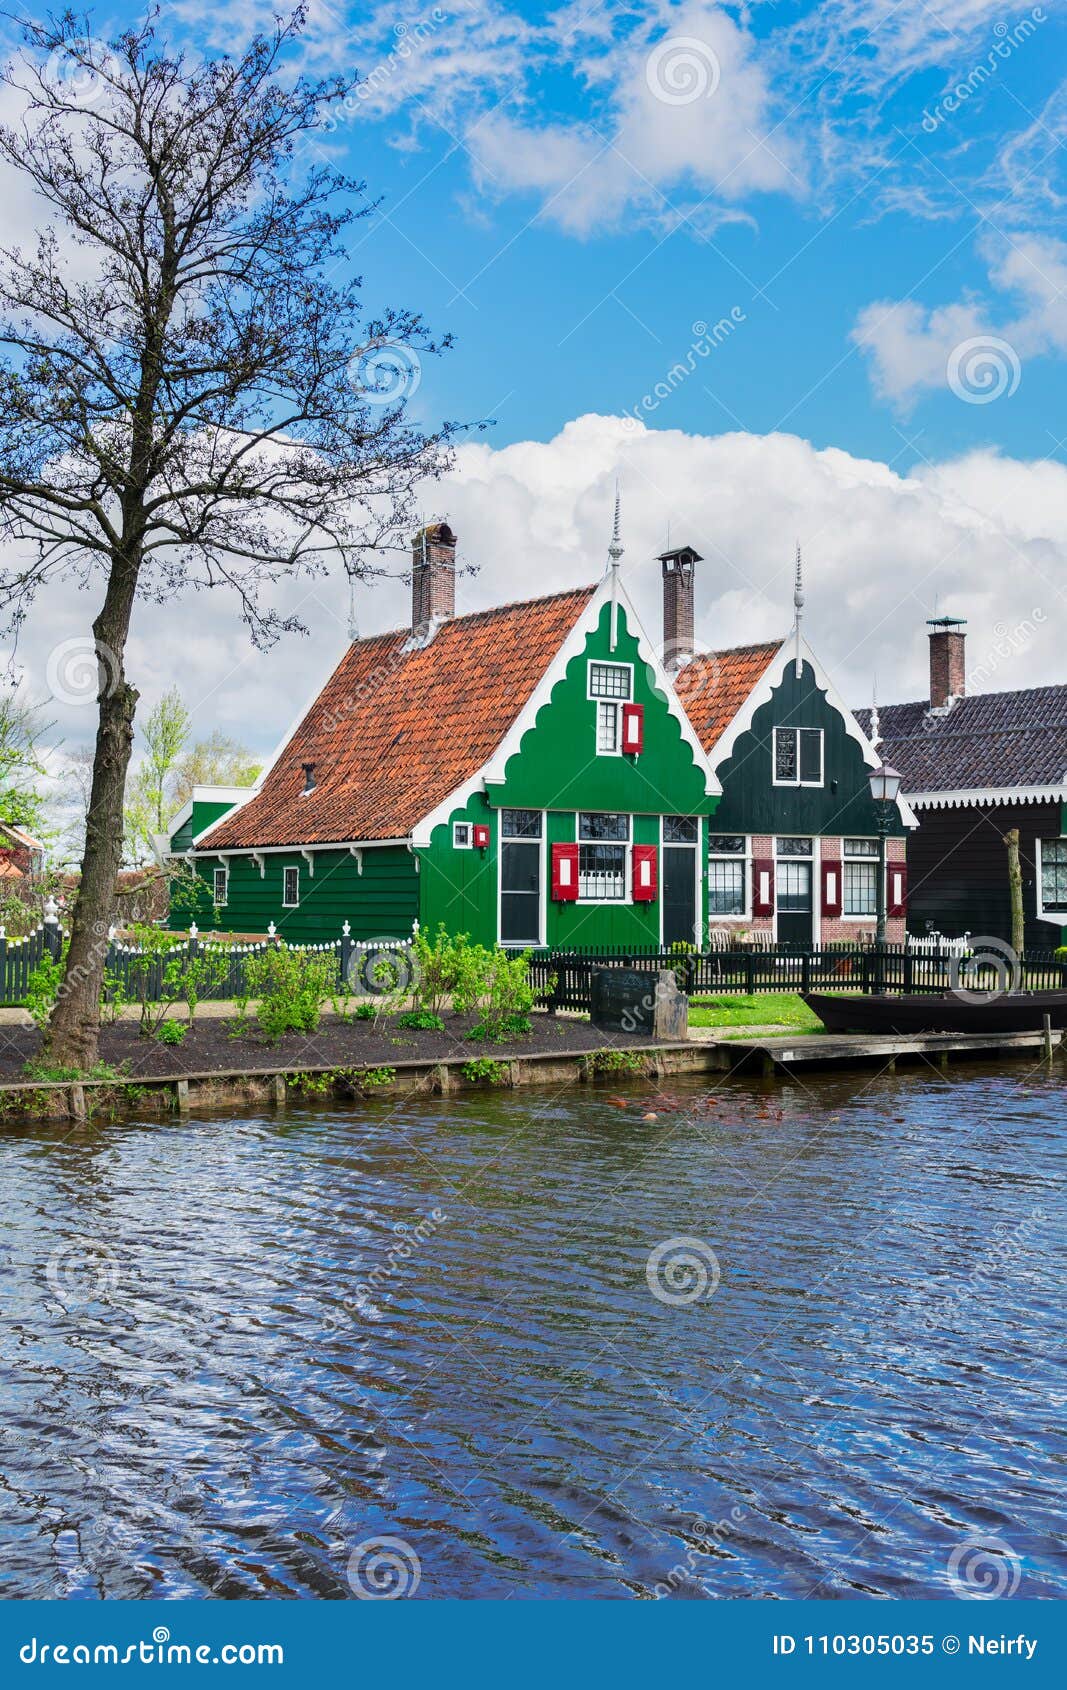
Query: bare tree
{"type": "Point", "coordinates": [190, 393]}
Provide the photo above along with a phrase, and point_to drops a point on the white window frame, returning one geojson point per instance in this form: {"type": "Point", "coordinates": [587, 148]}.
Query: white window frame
{"type": "Point", "coordinates": [220, 903]}
{"type": "Point", "coordinates": [290, 903]}
{"type": "Point", "coordinates": [715, 917]}
{"type": "Point", "coordinates": [627, 859]}
{"type": "Point", "coordinates": [815, 859]}
{"type": "Point", "coordinates": [852, 857]}
{"type": "Point", "coordinates": [784, 728]}
{"type": "Point", "coordinates": [542, 901]}
{"type": "Point", "coordinates": [1057, 916]}
{"type": "Point", "coordinates": [459, 844]}
{"type": "Point", "coordinates": [614, 704]}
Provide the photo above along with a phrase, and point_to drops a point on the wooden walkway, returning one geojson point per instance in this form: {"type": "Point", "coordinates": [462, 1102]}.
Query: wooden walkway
{"type": "Point", "coordinates": [885, 1050]}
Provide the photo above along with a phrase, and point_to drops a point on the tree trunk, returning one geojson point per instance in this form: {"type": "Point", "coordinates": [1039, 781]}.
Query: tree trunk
{"type": "Point", "coordinates": [1015, 889]}
{"type": "Point", "coordinates": [73, 1032]}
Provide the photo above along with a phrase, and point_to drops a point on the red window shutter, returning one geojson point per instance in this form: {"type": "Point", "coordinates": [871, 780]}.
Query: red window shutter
{"type": "Point", "coordinates": [564, 873]}
{"type": "Point", "coordinates": [644, 874]}
{"type": "Point", "coordinates": [481, 838]}
{"type": "Point", "coordinates": [897, 889]}
{"type": "Point", "coordinates": [831, 888]}
{"type": "Point", "coordinates": [762, 886]}
{"type": "Point", "coordinates": [633, 728]}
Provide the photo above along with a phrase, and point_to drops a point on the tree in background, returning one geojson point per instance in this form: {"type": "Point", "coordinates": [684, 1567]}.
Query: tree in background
{"type": "Point", "coordinates": [148, 798]}
{"type": "Point", "coordinates": [189, 397]}
{"type": "Point", "coordinates": [215, 761]}
{"type": "Point", "coordinates": [21, 767]}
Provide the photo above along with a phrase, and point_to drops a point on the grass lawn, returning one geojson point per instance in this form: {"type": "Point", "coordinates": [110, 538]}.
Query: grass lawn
{"type": "Point", "coordinates": [764, 1009]}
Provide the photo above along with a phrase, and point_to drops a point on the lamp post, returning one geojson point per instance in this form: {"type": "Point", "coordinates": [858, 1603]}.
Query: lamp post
{"type": "Point", "coordinates": [885, 785]}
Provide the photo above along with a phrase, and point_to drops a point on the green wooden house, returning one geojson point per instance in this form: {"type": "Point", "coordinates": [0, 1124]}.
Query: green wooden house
{"type": "Point", "coordinates": [534, 775]}
{"type": "Point", "coordinates": [526, 775]}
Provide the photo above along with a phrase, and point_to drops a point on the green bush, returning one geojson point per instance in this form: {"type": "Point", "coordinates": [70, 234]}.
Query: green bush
{"type": "Point", "coordinates": [364, 1012]}
{"type": "Point", "coordinates": [422, 1020]}
{"type": "Point", "coordinates": [172, 1032]}
{"type": "Point", "coordinates": [487, 1069]}
{"type": "Point", "coordinates": [152, 967]}
{"type": "Point", "coordinates": [495, 987]}
{"type": "Point", "coordinates": [42, 989]}
{"type": "Point", "coordinates": [439, 967]}
{"type": "Point", "coordinates": [291, 986]}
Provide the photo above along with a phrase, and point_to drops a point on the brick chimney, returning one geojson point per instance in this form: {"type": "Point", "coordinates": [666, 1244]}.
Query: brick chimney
{"type": "Point", "coordinates": [948, 672]}
{"type": "Point", "coordinates": [678, 606]}
{"type": "Point", "coordinates": [433, 576]}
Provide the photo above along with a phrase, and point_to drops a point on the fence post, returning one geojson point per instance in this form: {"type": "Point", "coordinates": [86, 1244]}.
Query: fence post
{"type": "Point", "coordinates": [690, 975]}
{"type": "Point", "coordinates": [347, 947]}
{"type": "Point", "coordinates": [805, 972]}
{"type": "Point", "coordinates": [750, 973]}
{"type": "Point", "coordinates": [909, 968]}
{"type": "Point", "coordinates": [52, 932]}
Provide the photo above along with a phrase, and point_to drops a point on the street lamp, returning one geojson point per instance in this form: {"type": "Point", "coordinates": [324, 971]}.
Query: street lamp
{"type": "Point", "coordinates": [885, 785]}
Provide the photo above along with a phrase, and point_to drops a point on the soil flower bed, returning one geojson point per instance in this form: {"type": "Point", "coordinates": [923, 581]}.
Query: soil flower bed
{"type": "Point", "coordinates": [210, 1046]}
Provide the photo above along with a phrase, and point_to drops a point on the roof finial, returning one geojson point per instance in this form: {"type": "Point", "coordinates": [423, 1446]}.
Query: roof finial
{"type": "Point", "coordinates": [798, 606]}
{"type": "Point", "coordinates": [876, 726]}
{"type": "Point", "coordinates": [615, 551]}
{"type": "Point", "coordinates": [353, 625]}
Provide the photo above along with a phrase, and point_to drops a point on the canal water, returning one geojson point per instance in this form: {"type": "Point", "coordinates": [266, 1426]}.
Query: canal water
{"type": "Point", "coordinates": [776, 1342]}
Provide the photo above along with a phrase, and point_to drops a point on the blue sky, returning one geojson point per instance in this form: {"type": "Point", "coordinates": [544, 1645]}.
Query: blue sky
{"type": "Point", "coordinates": [784, 271]}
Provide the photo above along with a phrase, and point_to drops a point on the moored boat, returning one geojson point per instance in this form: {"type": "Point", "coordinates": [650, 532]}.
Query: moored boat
{"type": "Point", "coordinates": [938, 1012]}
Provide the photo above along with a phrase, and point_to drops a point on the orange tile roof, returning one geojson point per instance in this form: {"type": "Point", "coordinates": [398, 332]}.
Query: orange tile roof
{"type": "Point", "coordinates": [714, 686]}
{"type": "Point", "coordinates": [393, 732]}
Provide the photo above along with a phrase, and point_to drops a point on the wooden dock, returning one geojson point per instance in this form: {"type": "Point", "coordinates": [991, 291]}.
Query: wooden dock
{"type": "Point", "coordinates": [885, 1050]}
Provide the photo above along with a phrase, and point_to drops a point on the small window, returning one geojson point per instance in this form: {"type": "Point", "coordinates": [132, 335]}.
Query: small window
{"type": "Point", "coordinates": [680, 830]}
{"type": "Point", "coordinates": [793, 847]}
{"type": "Point", "coordinates": [602, 857]}
{"type": "Point", "coordinates": [222, 879]}
{"type": "Point", "coordinates": [520, 824]}
{"type": "Point", "coordinates": [726, 845]}
{"type": "Point", "coordinates": [608, 727]}
{"type": "Point", "coordinates": [609, 680]}
{"type": "Point", "coordinates": [461, 836]}
{"type": "Point", "coordinates": [1054, 875]}
{"type": "Point", "coordinates": [861, 848]}
{"type": "Point", "coordinates": [726, 874]}
{"type": "Point", "coordinates": [798, 757]}
{"type": "Point", "coordinates": [859, 877]}
{"type": "Point", "coordinates": [291, 888]}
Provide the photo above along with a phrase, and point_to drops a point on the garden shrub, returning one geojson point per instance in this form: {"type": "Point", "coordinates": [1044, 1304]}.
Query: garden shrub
{"type": "Point", "coordinates": [495, 987]}
{"type": "Point", "coordinates": [172, 1032]}
{"type": "Point", "coordinates": [291, 986]}
{"type": "Point", "coordinates": [42, 989]}
{"type": "Point", "coordinates": [154, 978]}
{"type": "Point", "coordinates": [422, 1020]}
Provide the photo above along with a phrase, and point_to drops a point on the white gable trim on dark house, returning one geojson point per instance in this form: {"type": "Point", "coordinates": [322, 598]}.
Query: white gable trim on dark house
{"type": "Point", "coordinates": [762, 693]}
{"type": "Point", "coordinates": [966, 797]}
{"type": "Point", "coordinates": [493, 772]}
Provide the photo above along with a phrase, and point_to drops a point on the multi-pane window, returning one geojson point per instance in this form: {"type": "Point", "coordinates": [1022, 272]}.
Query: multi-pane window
{"type": "Point", "coordinates": [1054, 875]}
{"type": "Point", "coordinates": [859, 880]}
{"type": "Point", "coordinates": [520, 824]}
{"type": "Point", "coordinates": [793, 876]}
{"type": "Point", "coordinates": [462, 834]}
{"type": "Point", "coordinates": [221, 885]}
{"type": "Point", "coordinates": [798, 757]}
{"type": "Point", "coordinates": [792, 846]}
{"type": "Point", "coordinates": [726, 874]}
{"type": "Point", "coordinates": [610, 684]}
{"type": "Point", "coordinates": [290, 888]}
{"type": "Point", "coordinates": [602, 842]}
{"type": "Point", "coordinates": [680, 830]}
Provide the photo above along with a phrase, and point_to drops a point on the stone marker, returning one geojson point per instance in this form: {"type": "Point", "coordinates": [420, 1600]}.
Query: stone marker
{"type": "Point", "coordinates": [632, 1000]}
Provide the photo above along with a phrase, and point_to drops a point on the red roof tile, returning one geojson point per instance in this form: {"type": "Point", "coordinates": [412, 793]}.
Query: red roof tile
{"type": "Point", "coordinates": [715, 685]}
{"type": "Point", "coordinates": [393, 732]}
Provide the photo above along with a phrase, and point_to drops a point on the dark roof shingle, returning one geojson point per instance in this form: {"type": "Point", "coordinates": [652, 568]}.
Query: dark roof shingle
{"type": "Point", "coordinates": [989, 741]}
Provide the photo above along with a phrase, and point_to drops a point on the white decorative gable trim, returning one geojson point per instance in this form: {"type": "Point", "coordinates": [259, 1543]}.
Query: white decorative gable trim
{"type": "Point", "coordinates": [962, 798]}
{"type": "Point", "coordinates": [493, 772]}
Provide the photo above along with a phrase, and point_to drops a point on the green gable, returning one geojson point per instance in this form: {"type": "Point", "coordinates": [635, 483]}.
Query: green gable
{"type": "Point", "coordinates": [751, 802]}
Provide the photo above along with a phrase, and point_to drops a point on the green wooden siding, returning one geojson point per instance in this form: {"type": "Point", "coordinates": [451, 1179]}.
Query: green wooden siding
{"type": "Point", "coordinates": [751, 803]}
{"type": "Point", "coordinates": [557, 770]}
{"type": "Point", "coordinates": [193, 903]}
{"type": "Point", "coordinates": [380, 902]}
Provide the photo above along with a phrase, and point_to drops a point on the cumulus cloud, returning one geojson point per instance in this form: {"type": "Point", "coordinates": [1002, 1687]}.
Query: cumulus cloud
{"type": "Point", "coordinates": [981, 536]}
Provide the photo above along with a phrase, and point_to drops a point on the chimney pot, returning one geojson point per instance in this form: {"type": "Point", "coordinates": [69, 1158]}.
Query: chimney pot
{"type": "Point", "coordinates": [309, 776]}
{"type": "Point", "coordinates": [433, 576]}
{"type": "Point", "coordinates": [678, 605]}
{"type": "Point", "coordinates": [948, 666]}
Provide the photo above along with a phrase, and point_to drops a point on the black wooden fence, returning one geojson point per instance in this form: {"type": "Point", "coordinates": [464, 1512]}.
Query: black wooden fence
{"type": "Point", "coordinates": [863, 968]}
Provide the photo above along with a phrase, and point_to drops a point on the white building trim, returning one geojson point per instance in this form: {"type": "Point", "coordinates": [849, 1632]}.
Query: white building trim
{"type": "Point", "coordinates": [961, 798]}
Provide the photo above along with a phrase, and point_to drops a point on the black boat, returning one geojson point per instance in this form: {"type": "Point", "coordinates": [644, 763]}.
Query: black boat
{"type": "Point", "coordinates": [938, 1012]}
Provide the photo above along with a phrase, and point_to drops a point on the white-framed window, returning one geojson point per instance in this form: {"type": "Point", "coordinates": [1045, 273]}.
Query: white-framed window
{"type": "Point", "coordinates": [859, 877]}
{"type": "Point", "coordinates": [222, 886]}
{"type": "Point", "coordinates": [462, 835]}
{"type": "Point", "coordinates": [521, 859]}
{"type": "Point", "coordinates": [1053, 861]}
{"type": "Point", "coordinates": [611, 685]}
{"type": "Point", "coordinates": [290, 888]}
{"type": "Point", "coordinates": [603, 847]}
{"type": "Point", "coordinates": [681, 830]}
{"type": "Point", "coordinates": [798, 756]}
{"type": "Point", "coordinates": [727, 892]}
